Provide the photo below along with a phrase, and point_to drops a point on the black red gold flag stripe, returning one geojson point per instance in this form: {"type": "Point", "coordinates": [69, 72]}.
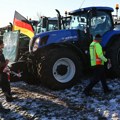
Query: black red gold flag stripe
{"type": "Point", "coordinates": [22, 24]}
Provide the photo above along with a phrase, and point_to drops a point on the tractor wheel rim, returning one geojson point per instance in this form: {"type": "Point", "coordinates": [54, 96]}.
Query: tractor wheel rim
{"type": "Point", "coordinates": [64, 70]}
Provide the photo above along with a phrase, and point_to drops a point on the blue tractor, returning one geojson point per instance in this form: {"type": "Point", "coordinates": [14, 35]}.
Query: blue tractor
{"type": "Point", "coordinates": [59, 58]}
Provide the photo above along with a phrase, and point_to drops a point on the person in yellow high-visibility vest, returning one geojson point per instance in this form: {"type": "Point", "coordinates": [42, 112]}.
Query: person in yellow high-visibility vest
{"type": "Point", "coordinates": [97, 60]}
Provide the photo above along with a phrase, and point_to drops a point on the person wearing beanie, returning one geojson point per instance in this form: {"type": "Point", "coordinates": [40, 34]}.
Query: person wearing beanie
{"type": "Point", "coordinates": [97, 60]}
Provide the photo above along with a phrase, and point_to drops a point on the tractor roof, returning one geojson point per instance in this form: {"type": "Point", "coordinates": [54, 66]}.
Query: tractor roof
{"type": "Point", "coordinates": [90, 8]}
{"type": "Point", "coordinates": [52, 18]}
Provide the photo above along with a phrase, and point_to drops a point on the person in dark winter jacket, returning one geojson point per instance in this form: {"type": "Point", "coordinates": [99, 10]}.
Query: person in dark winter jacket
{"type": "Point", "coordinates": [4, 83]}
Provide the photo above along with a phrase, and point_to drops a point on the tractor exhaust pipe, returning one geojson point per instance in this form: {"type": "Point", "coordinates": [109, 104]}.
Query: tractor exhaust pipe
{"type": "Point", "coordinates": [59, 19]}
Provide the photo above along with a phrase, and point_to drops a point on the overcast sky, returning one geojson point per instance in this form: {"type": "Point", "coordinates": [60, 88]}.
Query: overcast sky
{"type": "Point", "coordinates": [34, 8]}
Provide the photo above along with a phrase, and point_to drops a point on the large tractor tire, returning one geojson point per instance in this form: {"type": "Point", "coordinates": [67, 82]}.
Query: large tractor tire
{"type": "Point", "coordinates": [115, 58]}
{"type": "Point", "coordinates": [59, 69]}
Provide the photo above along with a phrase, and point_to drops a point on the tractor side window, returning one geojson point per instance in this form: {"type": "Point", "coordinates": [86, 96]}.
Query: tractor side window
{"type": "Point", "coordinates": [78, 22]}
{"type": "Point", "coordinates": [100, 23]}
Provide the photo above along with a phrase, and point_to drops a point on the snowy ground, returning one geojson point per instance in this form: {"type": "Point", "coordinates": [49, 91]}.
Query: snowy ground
{"type": "Point", "coordinates": [39, 103]}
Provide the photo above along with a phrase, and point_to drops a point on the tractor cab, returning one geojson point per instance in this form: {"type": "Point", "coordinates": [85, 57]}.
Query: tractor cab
{"type": "Point", "coordinates": [92, 20]}
{"type": "Point", "coordinates": [49, 24]}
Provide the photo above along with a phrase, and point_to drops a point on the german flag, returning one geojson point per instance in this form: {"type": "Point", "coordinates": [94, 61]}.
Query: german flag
{"type": "Point", "coordinates": [22, 24]}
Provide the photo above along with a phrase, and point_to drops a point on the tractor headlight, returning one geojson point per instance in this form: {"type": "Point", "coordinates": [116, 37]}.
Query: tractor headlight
{"type": "Point", "coordinates": [36, 44]}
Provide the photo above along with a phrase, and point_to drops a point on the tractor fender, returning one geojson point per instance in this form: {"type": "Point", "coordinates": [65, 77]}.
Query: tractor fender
{"type": "Point", "coordinates": [109, 37]}
{"type": "Point", "coordinates": [70, 46]}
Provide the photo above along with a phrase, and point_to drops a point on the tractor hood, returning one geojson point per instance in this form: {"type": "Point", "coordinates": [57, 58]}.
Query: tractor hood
{"type": "Point", "coordinates": [57, 36]}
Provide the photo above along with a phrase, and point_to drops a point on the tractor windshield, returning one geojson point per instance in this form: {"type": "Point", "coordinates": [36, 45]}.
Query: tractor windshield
{"type": "Point", "coordinates": [52, 25]}
{"type": "Point", "coordinates": [79, 22]}
{"type": "Point", "coordinates": [100, 23]}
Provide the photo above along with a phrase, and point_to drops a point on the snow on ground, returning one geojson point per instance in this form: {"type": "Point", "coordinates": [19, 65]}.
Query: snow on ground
{"type": "Point", "coordinates": [39, 103]}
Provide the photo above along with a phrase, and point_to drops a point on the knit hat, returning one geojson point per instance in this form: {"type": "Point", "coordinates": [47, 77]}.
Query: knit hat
{"type": "Point", "coordinates": [98, 37]}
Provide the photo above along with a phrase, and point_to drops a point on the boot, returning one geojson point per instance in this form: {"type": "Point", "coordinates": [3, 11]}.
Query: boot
{"type": "Point", "coordinates": [9, 97]}
{"type": "Point", "coordinates": [3, 110]}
